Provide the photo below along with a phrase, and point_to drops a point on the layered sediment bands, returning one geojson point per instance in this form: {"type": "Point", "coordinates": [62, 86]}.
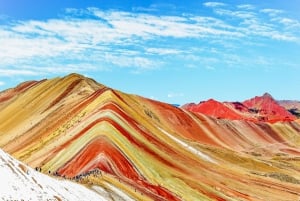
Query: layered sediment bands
{"type": "Point", "coordinates": [7, 96]}
{"type": "Point", "coordinates": [75, 128]}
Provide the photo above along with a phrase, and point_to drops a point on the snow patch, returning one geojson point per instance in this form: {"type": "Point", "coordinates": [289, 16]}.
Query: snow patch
{"type": "Point", "coordinates": [188, 147]}
{"type": "Point", "coordinates": [20, 182]}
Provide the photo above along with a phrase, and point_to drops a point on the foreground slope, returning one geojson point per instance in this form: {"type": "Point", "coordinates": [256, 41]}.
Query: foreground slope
{"type": "Point", "coordinates": [76, 128]}
{"type": "Point", "coordinates": [20, 182]}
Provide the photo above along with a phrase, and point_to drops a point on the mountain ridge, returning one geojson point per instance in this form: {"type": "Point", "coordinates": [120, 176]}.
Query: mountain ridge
{"type": "Point", "coordinates": [148, 150]}
{"type": "Point", "coordinates": [260, 108]}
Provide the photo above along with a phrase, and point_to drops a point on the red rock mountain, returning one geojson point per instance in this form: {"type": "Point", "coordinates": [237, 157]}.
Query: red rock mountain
{"type": "Point", "coordinates": [215, 109]}
{"type": "Point", "coordinates": [268, 109]}
{"type": "Point", "coordinates": [260, 108]}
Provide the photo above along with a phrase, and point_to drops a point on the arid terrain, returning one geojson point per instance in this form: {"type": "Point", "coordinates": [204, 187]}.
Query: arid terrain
{"type": "Point", "coordinates": [127, 147]}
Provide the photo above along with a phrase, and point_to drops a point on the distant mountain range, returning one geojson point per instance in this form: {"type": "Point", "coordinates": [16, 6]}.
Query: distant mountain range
{"type": "Point", "coordinates": [127, 147]}
{"type": "Point", "coordinates": [292, 106]}
{"type": "Point", "coordinates": [260, 108]}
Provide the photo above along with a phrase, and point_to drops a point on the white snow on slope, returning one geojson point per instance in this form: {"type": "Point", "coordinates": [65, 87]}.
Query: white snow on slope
{"type": "Point", "coordinates": [188, 147]}
{"type": "Point", "coordinates": [20, 182]}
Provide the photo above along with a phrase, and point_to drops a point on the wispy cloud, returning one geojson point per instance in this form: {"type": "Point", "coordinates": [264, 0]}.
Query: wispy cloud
{"type": "Point", "coordinates": [214, 4]}
{"type": "Point", "coordinates": [246, 6]}
{"type": "Point", "coordinates": [9, 72]}
{"type": "Point", "coordinates": [81, 40]}
{"type": "Point", "coordinates": [271, 12]}
{"type": "Point", "coordinates": [253, 25]}
{"type": "Point", "coordinates": [164, 51]}
{"type": "Point", "coordinates": [237, 14]}
{"type": "Point", "coordinates": [141, 63]}
{"type": "Point", "coordinates": [2, 83]}
{"type": "Point", "coordinates": [93, 39]}
{"type": "Point", "coordinates": [174, 95]}
{"type": "Point", "coordinates": [209, 67]}
{"type": "Point", "coordinates": [288, 23]}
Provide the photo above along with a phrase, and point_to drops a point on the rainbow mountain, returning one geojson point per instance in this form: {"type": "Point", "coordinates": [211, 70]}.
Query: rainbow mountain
{"type": "Point", "coordinates": [77, 129]}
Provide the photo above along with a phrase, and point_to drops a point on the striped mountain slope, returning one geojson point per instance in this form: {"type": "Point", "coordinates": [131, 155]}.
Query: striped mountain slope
{"type": "Point", "coordinates": [75, 128]}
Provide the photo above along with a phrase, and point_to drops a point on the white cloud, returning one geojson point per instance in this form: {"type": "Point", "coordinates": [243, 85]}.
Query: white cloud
{"type": "Point", "coordinates": [163, 51]}
{"type": "Point", "coordinates": [56, 36]}
{"type": "Point", "coordinates": [282, 37]}
{"type": "Point", "coordinates": [214, 23]}
{"type": "Point", "coordinates": [214, 4]}
{"type": "Point", "coordinates": [232, 60]}
{"type": "Point", "coordinates": [144, 9]}
{"type": "Point", "coordinates": [67, 68]}
{"type": "Point", "coordinates": [2, 83]}
{"type": "Point", "coordinates": [174, 95]}
{"type": "Point", "coordinates": [271, 12]}
{"type": "Point", "coordinates": [82, 39]}
{"type": "Point", "coordinates": [263, 61]}
{"type": "Point", "coordinates": [14, 72]}
{"type": "Point", "coordinates": [149, 26]}
{"type": "Point", "coordinates": [108, 39]}
{"type": "Point", "coordinates": [142, 63]}
{"type": "Point", "coordinates": [288, 22]}
{"type": "Point", "coordinates": [153, 98]}
{"type": "Point", "coordinates": [246, 7]}
{"type": "Point", "coordinates": [210, 67]}
{"type": "Point", "coordinates": [237, 14]}
{"type": "Point", "coordinates": [256, 28]}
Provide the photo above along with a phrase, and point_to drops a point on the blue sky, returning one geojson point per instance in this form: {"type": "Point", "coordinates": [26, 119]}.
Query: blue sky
{"type": "Point", "coordinates": [172, 51]}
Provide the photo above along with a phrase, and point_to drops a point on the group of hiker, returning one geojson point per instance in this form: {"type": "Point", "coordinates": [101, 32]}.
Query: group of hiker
{"type": "Point", "coordinates": [94, 172]}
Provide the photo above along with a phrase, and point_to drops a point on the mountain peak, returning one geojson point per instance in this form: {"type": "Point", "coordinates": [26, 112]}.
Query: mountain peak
{"type": "Point", "coordinates": [267, 95]}
{"type": "Point", "coordinates": [213, 108]}
{"type": "Point", "coordinates": [258, 108]}
{"type": "Point", "coordinates": [268, 108]}
{"type": "Point", "coordinates": [74, 76]}
{"type": "Point", "coordinates": [211, 100]}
